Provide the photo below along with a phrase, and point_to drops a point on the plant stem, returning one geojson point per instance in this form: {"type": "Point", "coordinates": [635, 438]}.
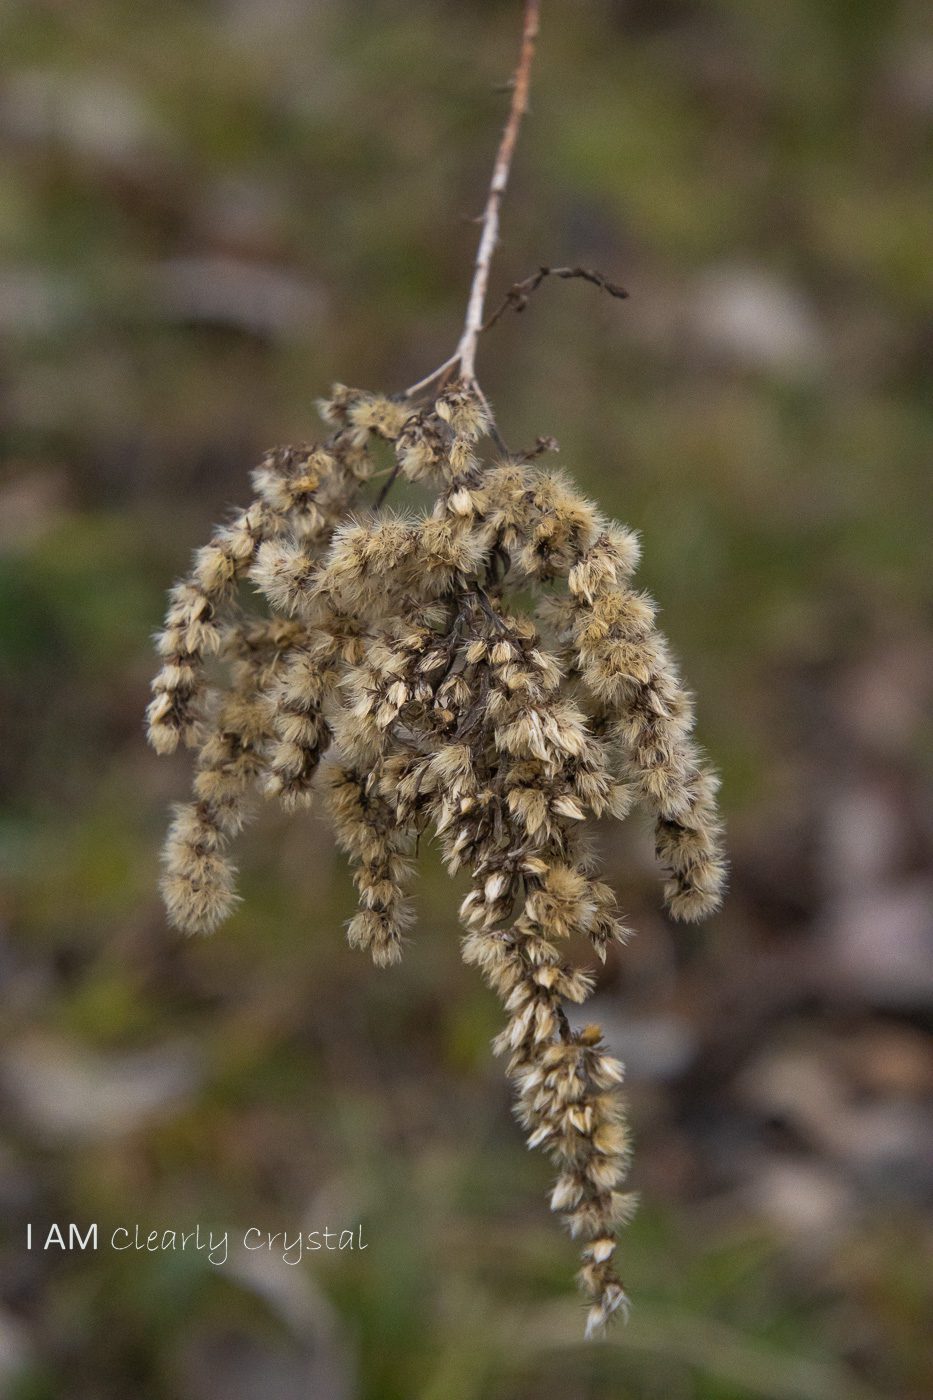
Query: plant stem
{"type": "Point", "coordinates": [464, 357]}
{"type": "Point", "coordinates": [430, 378]}
{"type": "Point", "coordinates": [466, 350]}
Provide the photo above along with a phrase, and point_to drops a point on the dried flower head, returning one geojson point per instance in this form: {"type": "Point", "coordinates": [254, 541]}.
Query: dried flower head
{"type": "Point", "coordinates": [483, 671]}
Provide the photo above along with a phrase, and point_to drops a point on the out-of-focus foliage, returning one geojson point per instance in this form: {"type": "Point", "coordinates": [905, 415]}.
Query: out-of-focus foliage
{"type": "Point", "coordinates": [208, 213]}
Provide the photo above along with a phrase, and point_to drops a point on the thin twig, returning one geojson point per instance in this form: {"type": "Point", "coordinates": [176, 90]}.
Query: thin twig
{"type": "Point", "coordinates": [516, 298]}
{"type": "Point", "coordinates": [448, 364]}
{"type": "Point", "coordinates": [466, 350]}
{"type": "Point", "coordinates": [388, 484]}
{"type": "Point", "coordinates": [494, 432]}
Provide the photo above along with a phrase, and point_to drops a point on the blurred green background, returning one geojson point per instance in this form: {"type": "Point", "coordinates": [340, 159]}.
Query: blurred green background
{"type": "Point", "coordinates": [208, 213]}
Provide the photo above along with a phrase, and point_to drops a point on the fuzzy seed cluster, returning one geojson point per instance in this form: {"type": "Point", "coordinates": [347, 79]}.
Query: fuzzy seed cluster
{"type": "Point", "coordinates": [485, 672]}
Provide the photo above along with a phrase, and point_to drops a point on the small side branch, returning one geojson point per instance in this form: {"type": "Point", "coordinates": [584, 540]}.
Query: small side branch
{"type": "Point", "coordinates": [466, 350]}
{"type": "Point", "coordinates": [428, 379]}
{"type": "Point", "coordinates": [516, 298]}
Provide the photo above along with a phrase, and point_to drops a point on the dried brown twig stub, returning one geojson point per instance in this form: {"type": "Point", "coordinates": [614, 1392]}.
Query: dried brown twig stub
{"type": "Point", "coordinates": [483, 671]}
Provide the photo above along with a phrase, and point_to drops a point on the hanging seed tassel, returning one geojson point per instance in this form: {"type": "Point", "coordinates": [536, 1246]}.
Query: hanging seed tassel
{"type": "Point", "coordinates": [483, 671]}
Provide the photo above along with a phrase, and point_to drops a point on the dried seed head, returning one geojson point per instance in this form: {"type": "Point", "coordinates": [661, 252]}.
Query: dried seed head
{"type": "Point", "coordinates": [484, 670]}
